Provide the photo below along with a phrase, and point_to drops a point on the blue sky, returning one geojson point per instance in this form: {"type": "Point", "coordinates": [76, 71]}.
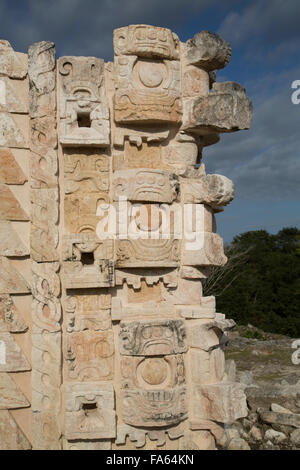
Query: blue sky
{"type": "Point", "coordinates": [264, 163]}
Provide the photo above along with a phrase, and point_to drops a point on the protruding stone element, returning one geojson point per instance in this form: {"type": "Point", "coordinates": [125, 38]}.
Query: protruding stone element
{"type": "Point", "coordinates": [146, 41]}
{"type": "Point", "coordinates": [11, 281]}
{"type": "Point", "coordinates": [148, 338]}
{"type": "Point", "coordinates": [206, 249]}
{"type": "Point", "coordinates": [145, 185]}
{"type": "Point", "coordinates": [207, 50]}
{"type": "Point", "coordinates": [10, 63]}
{"type": "Point", "coordinates": [137, 136]}
{"type": "Point", "coordinates": [222, 402]}
{"type": "Point", "coordinates": [11, 396]}
{"type": "Point", "coordinates": [10, 171]}
{"type": "Point", "coordinates": [226, 109]}
{"type": "Point", "coordinates": [10, 242]}
{"type": "Point", "coordinates": [83, 109]}
{"type": "Point", "coordinates": [207, 367]}
{"type": "Point", "coordinates": [90, 356]}
{"type": "Point", "coordinates": [201, 335]}
{"type": "Point", "coordinates": [214, 190]}
{"type": "Point", "coordinates": [10, 318]}
{"type": "Point", "coordinates": [90, 411]}
{"type": "Point", "coordinates": [87, 262]}
{"type": "Point", "coordinates": [11, 436]}
{"type": "Point", "coordinates": [12, 358]}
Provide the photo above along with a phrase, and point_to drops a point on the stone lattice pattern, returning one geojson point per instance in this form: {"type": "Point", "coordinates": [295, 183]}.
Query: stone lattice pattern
{"type": "Point", "coordinates": [110, 343]}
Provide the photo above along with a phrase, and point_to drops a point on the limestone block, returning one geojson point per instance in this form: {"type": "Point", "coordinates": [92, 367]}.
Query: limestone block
{"type": "Point", "coordinates": [214, 190]}
{"type": "Point", "coordinates": [287, 419]}
{"type": "Point", "coordinates": [206, 367]}
{"type": "Point", "coordinates": [224, 402]}
{"type": "Point", "coordinates": [46, 375]}
{"type": "Point", "coordinates": [90, 411]}
{"type": "Point", "coordinates": [192, 272]}
{"type": "Point", "coordinates": [138, 435]}
{"type": "Point", "coordinates": [147, 91]}
{"type": "Point", "coordinates": [11, 281]}
{"type": "Point", "coordinates": [226, 109]}
{"type": "Point", "coordinates": [43, 159]}
{"type": "Point", "coordinates": [204, 336]}
{"type": "Point", "coordinates": [152, 372]}
{"type": "Point", "coordinates": [145, 185]}
{"type": "Point", "coordinates": [188, 292]}
{"type": "Point", "coordinates": [90, 355]}
{"type": "Point", "coordinates": [46, 432]}
{"type": "Point", "coordinates": [11, 64]}
{"type": "Point", "coordinates": [103, 444]}
{"type": "Point", "coordinates": [207, 50]}
{"type": "Point", "coordinates": [88, 312]}
{"type": "Point", "coordinates": [10, 394]}
{"type": "Point", "coordinates": [195, 82]}
{"type": "Point", "coordinates": [154, 408]}
{"type": "Point", "coordinates": [146, 41]}
{"type": "Point", "coordinates": [13, 95]}
{"type": "Point", "coordinates": [44, 228]}
{"type": "Point", "coordinates": [84, 114]}
{"type": "Point", "coordinates": [10, 242]}
{"type": "Point", "coordinates": [205, 249]}
{"type": "Point", "coordinates": [86, 171]}
{"type": "Point", "coordinates": [133, 311]}
{"type": "Point", "coordinates": [10, 208]}
{"type": "Point", "coordinates": [197, 440]}
{"type": "Point", "coordinates": [42, 79]}
{"type": "Point", "coordinates": [10, 171]}
{"type": "Point", "coordinates": [12, 358]}
{"type": "Point", "coordinates": [10, 318]}
{"type": "Point", "coordinates": [217, 429]}
{"type": "Point", "coordinates": [46, 308]}
{"type": "Point", "coordinates": [87, 261]}
{"type": "Point", "coordinates": [152, 337]}
{"type": "Point", "coordinates": [11, 436]}
{"type": "Point", "coordinates": [10, 133]}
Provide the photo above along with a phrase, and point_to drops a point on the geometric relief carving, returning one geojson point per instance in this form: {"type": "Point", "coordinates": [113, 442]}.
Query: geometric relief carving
{"type": "Point", "coordinates": [90, 355]}
{"type": "Point", "coordinates": [10, 319]}
{"type": "Point", "coordinates": [83, 109]}
{"type": "Point", "coordinates": [10, 242]}
{"type": "Point", "coordinates": [10, 171]}
{"type": "Point", "coordinates": [145, 185]}
{"type": "Point", "coordinates": [90, 411]}
{"type": "Point", "coordinates": [152, 337]}
{"type": "Point", "coordinates": [11, 281]}
{"type": "Point", "coordinates": [10, 208]}
{"type": "Point", "coordinates": [11, 436]}
{"type": "Point", "coordinates": [207, 250]}
{"type": "Point", "coordinates": [10, 395]}
{"type": "Point", "coordinates": [135, 277]}
{"type": "Point", "coordinates": [88, 261]}
{"type": "Point", "coordinates": [139, 435]}
{"type": "Point", "coordinates": [88, 312]}
{"type": "Point", "coordinates": [46, 307]}
{"type": "Point", "coordinates": [12, 358]}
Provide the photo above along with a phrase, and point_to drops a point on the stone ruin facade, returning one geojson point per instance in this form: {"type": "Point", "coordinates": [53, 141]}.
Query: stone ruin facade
{"type": "Point", "coordinates": [108, 342]}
